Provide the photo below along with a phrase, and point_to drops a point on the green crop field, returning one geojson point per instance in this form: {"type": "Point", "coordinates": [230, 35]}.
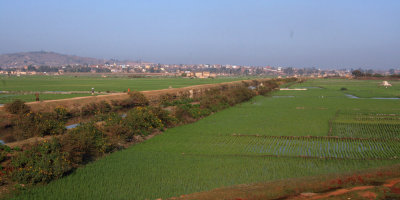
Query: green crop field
{"type": "Point", "coordinates": [288, 134]}
{"type": "Point", "coordinates": [86, 83]}
{"type": "Point", "coordinates": [371, 125]}
{"type": "Point", "coordinates": [359, 88]}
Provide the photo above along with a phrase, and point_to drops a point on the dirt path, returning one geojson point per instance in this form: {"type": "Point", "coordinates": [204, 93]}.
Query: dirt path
{"type": "Point", "coordinates": [78, 102]}
{"type": "Point", "coordinates": [341, 192]}
{"type": "Point", "coordinates": [381, 183]}
{"type": "Point", "coordinates": [392, 182]}
{"type": "Point", "coordinates": [69, 99]}
{"type": "Point", "coordinates": [361, 191]}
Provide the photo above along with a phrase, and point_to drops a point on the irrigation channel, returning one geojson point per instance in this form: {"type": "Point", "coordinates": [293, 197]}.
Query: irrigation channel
{"type": "Point", "coordinates": [356, 97]}
{"type": "Point", "coordinates": [77, 124]}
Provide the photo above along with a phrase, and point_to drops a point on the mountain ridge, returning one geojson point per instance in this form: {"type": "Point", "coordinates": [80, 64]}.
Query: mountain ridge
{"type": "Point", "coordinates": [45, 58]}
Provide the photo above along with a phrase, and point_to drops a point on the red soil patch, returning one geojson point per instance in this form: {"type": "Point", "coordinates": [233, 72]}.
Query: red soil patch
{"type": "Point", "coordinates": [369, 184]}
{"type": "Point", "coordinates": [341, 192]}
{"type": "Point", "coordinates": [392, 182]}
{"type": "Point", "coordinates": [368, 195]}
{"type": "Point", "coordinates": [395, 189]}
{"type": "Point", "coordinates": [394, 185]}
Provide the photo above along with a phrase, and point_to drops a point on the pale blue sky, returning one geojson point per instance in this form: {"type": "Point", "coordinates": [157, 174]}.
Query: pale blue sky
{"type": "Point", "coordinates": [313, 33]}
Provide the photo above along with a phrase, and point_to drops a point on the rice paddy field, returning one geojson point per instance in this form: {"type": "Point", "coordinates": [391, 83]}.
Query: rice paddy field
{"type": "Point", "coordinates": [19, 84]}
{"type": "Point", "coordinates": [285, 135]}
{"type": "Point", "coordinates": [358, 88]}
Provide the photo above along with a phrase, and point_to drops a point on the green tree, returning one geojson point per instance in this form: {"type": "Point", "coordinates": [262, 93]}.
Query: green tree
{"type": "Point", "coordinates": [357, 73]}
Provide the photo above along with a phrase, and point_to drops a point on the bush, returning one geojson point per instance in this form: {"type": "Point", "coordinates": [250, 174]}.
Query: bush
{"type": "Point", "coordinates": [239, 95]}
{"type": "Point", "coordinates": [166, 99]}
{"type": "Point", "coordinates": [38, 124]}
{"type": "Point", "coordinates": [42, 163]}
{"type": "Point", "coordinates": [138, 99]}
{"type": "Point", "coordinates": [115, 128]}
{"type": "Point", "coordinates": [214, 102]}
{"type": "Point", "coordinates": [267, 86]}
{"type": "Point", "coordinates": [61, 113]}
{"type": "Point", "coordinates": [262, 90]}
{"type": "Point", "coordinates": [84, 143]}
{"type": "Point", "coordinates": [166, 118]}
{"type": "Point", "coordinates": [4, 150]}
{"type": "Point", "coordinates": [104, 107]}
{"type": "Point", "coordinates": [188, 112]}
{"type": "Point", "coordinates": [183, 100]}
{"type": "Point", "coordinates": [141, 121]}
{"type": "Point", "coordinates": [135, 99]}
{"type": "Point", "coordinates": [17, 107]}
{"type": "Point", "coordinates": [95, 108]}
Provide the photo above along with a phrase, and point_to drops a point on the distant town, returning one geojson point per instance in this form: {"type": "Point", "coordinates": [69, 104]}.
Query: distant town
{"type": "Point", "coordinates": [51, 63]}
{"type": "Point", "coordinates": [190, 71]}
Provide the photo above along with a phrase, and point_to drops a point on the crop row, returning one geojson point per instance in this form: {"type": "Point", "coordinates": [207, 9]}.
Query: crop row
{"type": "Point", "coordinates": [382, 130]}
{"type": "Point", "coordinates": [321, 147]}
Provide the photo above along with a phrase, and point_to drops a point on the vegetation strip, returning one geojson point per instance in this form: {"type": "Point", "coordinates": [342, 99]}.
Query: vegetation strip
{"type": "Point", "coordinates": [314, 137]}
{"type": "Point", "coordinates": [287, 156]}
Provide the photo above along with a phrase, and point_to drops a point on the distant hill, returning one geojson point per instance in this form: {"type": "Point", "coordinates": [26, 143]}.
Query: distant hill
{"type": "Point", "coordinates": [44, 58]}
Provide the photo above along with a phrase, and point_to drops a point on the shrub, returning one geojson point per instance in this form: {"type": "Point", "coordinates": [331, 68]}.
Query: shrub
{"type": "Point", "coordinates": [165, 116]}
{"type": "Point", "coordinates": [138, 99]}
{"type": "Point", "coordinates": [267, 86]}
{"type": "Point", "coordinates": [188, 112]}
{"type": "Point", "coordinates": [17, 107]}
{"type": "Point", "coordinates": [215, 102]}
{"type": "Point", "coordinates": [141, 120]}
{"type": "Point", "coordinates": [4, 150]}
{"type": "Point", "coordinates": [38, 124]}
{"type": "Point", "coordinates": [42, 163]}
{"type": "Point", "coordinates": [183, 100]}
{"type": "Point", "coordinates": [135, 99]}
{"type": "Point", "coordinates": [61, 113]}
{"type": "Point", "coordinates": [89, 109]}
{"type": "Point", "coordinates": [245, 84]}
{"type": "Point", "coordinates": [95, 108]}
{"type": "Point", "coordinates": [113, 118]}
{"type": "Point", "coordinates": [239, 95]}
{"type": "Point", "coordinates": [262, 90]}
{"type": "Point", "coordinates": [115, 128]}
{"type": "Point", "coordinates": [166, 99]}
{"type": "Point", "coordinates": [84, 143]}
{"type": "Point", "coordinates": [104, 107]}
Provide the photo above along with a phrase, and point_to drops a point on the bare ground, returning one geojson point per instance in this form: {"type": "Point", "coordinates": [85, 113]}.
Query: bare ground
{"type": "Point", "coordinates": [380, 183]}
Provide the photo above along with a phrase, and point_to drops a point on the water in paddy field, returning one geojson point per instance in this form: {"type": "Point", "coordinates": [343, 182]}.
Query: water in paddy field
{"type": "Point", "coordinates": [355, 97]}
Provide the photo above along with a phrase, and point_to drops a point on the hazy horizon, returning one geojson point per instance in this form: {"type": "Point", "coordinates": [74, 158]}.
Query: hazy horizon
{"type": "Point", "coordinates": [322, 34]}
